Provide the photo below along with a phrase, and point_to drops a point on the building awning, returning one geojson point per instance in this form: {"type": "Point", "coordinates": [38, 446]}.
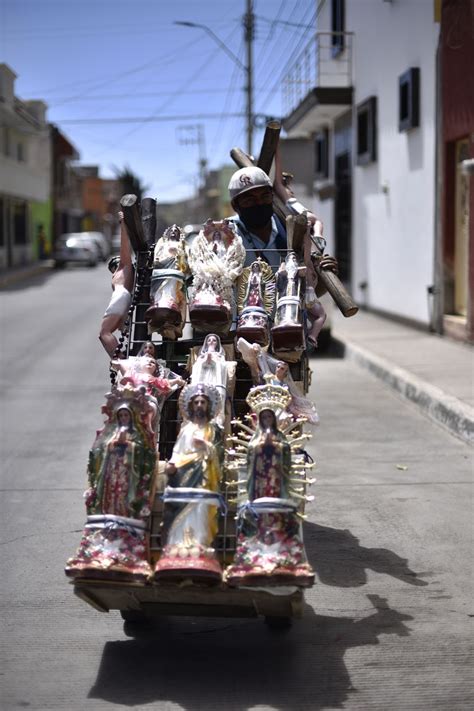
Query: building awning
{"type": "Point", "coordinates": [319, 108]}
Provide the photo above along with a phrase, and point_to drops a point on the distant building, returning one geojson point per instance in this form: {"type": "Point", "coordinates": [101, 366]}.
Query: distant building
{"type": "Point", "coordinates": [25, 176]}
{"type": "Point", "coordinates": [361, 120]}
{"type": "Point", "coordinates": [99, 198]}
{"type": "Point", "coordinates": [65, 187]}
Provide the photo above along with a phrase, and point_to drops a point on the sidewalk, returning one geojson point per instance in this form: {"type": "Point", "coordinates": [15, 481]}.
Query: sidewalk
{"type": "Point", "coordinates": [18, 274]}
{"type": "Point", "coordinates": [434, 372]}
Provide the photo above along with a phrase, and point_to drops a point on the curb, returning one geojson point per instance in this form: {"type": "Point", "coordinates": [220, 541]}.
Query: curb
{"type": "Point", "coordinates": [444, 409]}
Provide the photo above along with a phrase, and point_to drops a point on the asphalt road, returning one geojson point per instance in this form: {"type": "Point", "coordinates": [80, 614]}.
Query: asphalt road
{"type": "Point", "coordinates": [388, 624]}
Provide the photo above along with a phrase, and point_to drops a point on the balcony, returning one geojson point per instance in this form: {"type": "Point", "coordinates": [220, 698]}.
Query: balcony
{"type": "Point", "coordinates": [318, 86]}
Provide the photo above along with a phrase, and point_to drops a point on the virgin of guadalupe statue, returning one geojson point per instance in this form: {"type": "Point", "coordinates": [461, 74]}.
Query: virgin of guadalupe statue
{"type": "Point", "coordinates": [288, 331]}
{"type": "Point", "coordinates": [270, 549]}
{"type": "Point", "coordinates": [167, 310]}
{"type": "Point", "coordinates": [212, 368]}
{"type": "Point", "coordinates": [255, 302]}
{"type": "Point", "coordinates": [192, 497]}
{"type": "Point", "coordinates": [216, 258]}
{"type": "Point", "coordinates": [120, 472]}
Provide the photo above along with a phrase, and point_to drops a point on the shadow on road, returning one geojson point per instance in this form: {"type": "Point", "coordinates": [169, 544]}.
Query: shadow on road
{"type": "Point", "coordinates": [340, 561]}
{"type": "Point", "coordinates": [199, 663]}
{"type": "Point", "coordinates": [202, 664]}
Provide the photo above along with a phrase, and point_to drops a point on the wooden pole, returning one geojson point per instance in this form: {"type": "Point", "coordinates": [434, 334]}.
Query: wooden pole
{"type": "Point", "coordinates": [269, 146]}
{"type": "Point", "coordinates": [296, 228]}
{"type": "Point", "coordinates": [148, 218]}
{"type": "Point", "coordinates": [133, 223]}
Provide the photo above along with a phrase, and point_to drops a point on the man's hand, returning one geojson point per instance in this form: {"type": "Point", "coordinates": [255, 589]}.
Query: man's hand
{"type": "Point", "coordinates": [329, 264]}
{"type": "Point", "coordinates": [170, 469]}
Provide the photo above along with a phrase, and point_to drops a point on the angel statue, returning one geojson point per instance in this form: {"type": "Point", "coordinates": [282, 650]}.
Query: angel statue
{"type": "Point", "coordinates": [121, 474]}
{"type": "Point", "coordinates": [192, 497]}
{"type": "Point", "coordinates": [272, 477]}
{"type": "Point", "coordinates": [216, 258]}
{"type": "Point", "coordinates": [167, 311]}
{"type": "Point", "coordinates": [212, 368]}
{"type": "Point", "coordinates": [255, 302]}
{"type": "Point", "coordinates": [266, 368]}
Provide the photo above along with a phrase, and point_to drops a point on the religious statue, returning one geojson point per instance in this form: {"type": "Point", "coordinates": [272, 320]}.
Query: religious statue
{"type": "Point", "coordinates": [191, 499]}
{"type": "Point", "coordinates": [145, 371]}
{"type": "Point", "coordinates": [216, 258]}
{"type": "Point", "coordinates": [120, 471]}
{"type": "Point", "coordinates": [212, 368]}
{"type": "Point", "coordinates": [270, 549]}
{"type": "Point", "coordinates": [288, 331]}
{"type": "Point", "coordinates": [255, 302]}
{"type": "Point", "coordinates": [265, 368]}
{"type": "Point", "coordinates": [167, 311]}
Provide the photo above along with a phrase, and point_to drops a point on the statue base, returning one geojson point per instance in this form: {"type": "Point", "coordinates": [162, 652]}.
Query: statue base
{"type": "Point", "coordinates": [176, 565]}
{"type": "Point", "coordinates": [110, 552]}
{"type": "Point", "coordinates": [160, 315]}
{"type": "Point", "coordinates": [206, 317]}
{"type": "Point", "coordinates": [288, 337]}
{"type": "Point", "coordinates": [301, 577]}
{"type": "Point", "coordinates": [254, 334]}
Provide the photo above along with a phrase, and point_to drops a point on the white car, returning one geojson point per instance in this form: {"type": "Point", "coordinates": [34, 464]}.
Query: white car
{"type": "Point", "coordinates": [76, 247]}
{"type": "Point", "coordinates": [101, 241]}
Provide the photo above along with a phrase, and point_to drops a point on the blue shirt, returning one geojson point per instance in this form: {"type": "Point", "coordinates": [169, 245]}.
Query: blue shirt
{"type": "Point", "coordinates": [270, 251]}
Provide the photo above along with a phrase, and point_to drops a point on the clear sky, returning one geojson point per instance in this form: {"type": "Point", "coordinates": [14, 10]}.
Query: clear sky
{"type": "Point", "coordinates": [101, 59]}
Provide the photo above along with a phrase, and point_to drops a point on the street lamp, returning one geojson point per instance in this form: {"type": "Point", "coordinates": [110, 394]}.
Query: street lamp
{"type": "Point", "coordinates": [247, 68]}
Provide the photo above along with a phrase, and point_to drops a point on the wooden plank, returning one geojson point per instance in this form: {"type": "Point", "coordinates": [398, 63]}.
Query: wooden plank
{"type": "Point", "coordinates": [269, 146]}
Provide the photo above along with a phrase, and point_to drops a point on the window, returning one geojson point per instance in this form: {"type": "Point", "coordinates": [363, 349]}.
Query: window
{"type": "Point", "coordinates": [20, 152]}
{"type": "Point", "coordinates": [367, 131]}
{"type": "Point", "coordinates": [19, 223]}
{"type": "Point", "coordinates": [409, 99]}
{"type": "Point", "coordinates": [337, 26]}
{"type": "Point", "coordinates": [321, 155]}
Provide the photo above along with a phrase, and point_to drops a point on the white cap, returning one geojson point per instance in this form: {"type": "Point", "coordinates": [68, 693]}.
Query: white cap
{"type": "Point", "coordinates": [247, 179]}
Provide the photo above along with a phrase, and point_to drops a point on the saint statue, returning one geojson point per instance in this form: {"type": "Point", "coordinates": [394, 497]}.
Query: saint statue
{"type": "Point", "coordinates": [288, 331]}
{"type": "Point", "coordinates": [212, 368]}
{"type": "Point", "coordinates": [192, 497]}
{"type": "Point", "coordinates": [216, 258]}
{"type": "Point", "coordinates": [167, 311]}
{"type": "Point", "coordinates": [121, 479]}
{"type": "Point", "coordinates": [255, 302]}
{"type": "Point", "coordinates": [270, 549]}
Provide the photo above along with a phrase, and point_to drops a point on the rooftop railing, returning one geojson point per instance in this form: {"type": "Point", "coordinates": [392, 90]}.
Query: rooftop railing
{"type": "Point", "coordinates": [326, 61]}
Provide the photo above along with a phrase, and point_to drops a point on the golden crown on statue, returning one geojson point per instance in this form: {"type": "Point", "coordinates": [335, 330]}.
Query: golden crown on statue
{"type": "Point", "coordinates": [268, 397]}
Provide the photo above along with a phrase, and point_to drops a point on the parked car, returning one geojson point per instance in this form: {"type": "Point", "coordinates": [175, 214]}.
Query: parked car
{"type": "Point", "coordinates": [102, 242]}
{"type": "Point", "coordinates": [115, 243]}
{"type": "Point", "coordinates": [76, 247]}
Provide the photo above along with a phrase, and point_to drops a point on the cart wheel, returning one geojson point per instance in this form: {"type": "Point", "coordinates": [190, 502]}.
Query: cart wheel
{"type": "Point", "coordinates": [278, 623]}
{"type": "Point", "coordinates": [133, 615]}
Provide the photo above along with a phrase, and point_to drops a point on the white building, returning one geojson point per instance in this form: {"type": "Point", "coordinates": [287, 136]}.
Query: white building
{"type": "Point", "coordinates": [25, 174]}
{"type": "Point", "coordinates": [362, 96]}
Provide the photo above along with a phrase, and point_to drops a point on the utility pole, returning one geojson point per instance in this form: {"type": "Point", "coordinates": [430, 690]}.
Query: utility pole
{"type": "Point", "coordinates": [194, 135]}
{"type": "Point", "coordinates": [249, 36]}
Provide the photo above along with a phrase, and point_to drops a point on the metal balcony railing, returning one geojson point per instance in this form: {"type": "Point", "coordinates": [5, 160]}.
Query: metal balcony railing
{"type": "Point", "coordinates": [326, 61]}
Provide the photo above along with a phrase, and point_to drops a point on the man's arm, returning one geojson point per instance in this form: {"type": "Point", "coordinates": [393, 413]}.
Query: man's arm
{"type": "Point", "coordinates": [124, 272]}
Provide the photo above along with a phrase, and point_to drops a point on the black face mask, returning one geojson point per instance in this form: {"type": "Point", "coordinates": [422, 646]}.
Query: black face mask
{"type": "Point", "coordinates": [256, 216]}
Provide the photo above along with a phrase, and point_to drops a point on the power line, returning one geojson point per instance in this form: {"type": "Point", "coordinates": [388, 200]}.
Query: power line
{"type": "Point", "coordinates": [148, 119]}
